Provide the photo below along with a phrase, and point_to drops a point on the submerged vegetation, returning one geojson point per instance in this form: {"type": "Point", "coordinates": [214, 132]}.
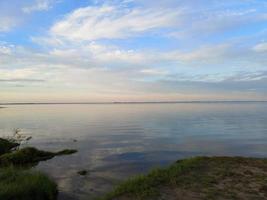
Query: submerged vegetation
{"type": "Point", "coordinates": [82, 172]}
{"type": "Point", "coordinates": [199, 178]}
{"type": "Point", "coordinates": [17, 180]}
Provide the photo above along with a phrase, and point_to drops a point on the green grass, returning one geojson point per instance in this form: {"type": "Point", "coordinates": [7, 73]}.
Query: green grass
{"type": "Point", "coordinates": [29, 156]}
{"type": "Point", "coordinates": [144, 186]}
{"type": "Point", "coordinates": [201, 178]}
{"type": "Point", "coordinates": [18, 184]}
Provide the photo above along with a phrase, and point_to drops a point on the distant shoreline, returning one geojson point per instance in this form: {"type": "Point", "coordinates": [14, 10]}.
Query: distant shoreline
{"type": "Point", "coordinates": [141, 102]}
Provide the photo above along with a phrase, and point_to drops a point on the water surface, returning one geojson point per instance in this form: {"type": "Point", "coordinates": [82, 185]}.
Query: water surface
{"type": "Point", "coordinates": [116, 141]}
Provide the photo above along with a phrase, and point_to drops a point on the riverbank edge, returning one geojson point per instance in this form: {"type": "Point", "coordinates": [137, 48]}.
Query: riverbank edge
{"type": "Point", "coordinates": [198, 178]}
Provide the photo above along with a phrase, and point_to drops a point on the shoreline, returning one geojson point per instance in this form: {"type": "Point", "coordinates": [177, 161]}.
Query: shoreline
{"type": "Point", "coordinates": [198, 178]}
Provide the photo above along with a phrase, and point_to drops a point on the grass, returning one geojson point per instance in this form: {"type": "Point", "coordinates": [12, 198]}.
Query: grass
{"type": "Point", "coordinates": [18, 184]}
{"type": "Point", "coordinates": [29, 156]}
{"type": "Point", "coordinates": [199, 178]}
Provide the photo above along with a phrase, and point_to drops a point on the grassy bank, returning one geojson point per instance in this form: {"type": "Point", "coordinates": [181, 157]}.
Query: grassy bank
{"type": "Point", "coordinates": [30, 156]}
{"type": "Point", "coordinates": [199, 178]}
{"type": "Point", "coordinates": [17, 180]}
{"type": "Point", "coordinates": [19, 184]}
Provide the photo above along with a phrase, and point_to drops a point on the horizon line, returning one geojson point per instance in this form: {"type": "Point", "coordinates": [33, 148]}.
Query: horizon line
{"type": "Point", "coordinates": [133, 102]}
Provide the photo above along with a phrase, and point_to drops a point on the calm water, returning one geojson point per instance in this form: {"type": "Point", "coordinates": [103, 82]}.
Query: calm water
{"type": "Point", "coordinates": [116, 141]}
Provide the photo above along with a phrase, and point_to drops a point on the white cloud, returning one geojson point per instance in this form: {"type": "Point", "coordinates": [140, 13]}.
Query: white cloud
{"type": "Point", "coordinates": [6, 23]}
{"type": "Point", "coordinates": [16, 73]}
{"type": "Point", "coordinates": [4, 50]}
{"type": "Point", "coordinates": [84, 69]}
{"type": "Point", "coordinates": [39, 5]}
{"type": "Point", "coordinates": [152, 71]}
{"type": "Point", "coordinates": [109, 22]}
{"type": "Point", "coordinates": [262, 47]}
{"type": "Point", "coordinates": [208, 21]}
{"type": "Point", "coordinates": [14, 13]}
{"type": "Point", "coordinates": [205, 54]}
{"type": "Point", "coordinates": [92, 54]}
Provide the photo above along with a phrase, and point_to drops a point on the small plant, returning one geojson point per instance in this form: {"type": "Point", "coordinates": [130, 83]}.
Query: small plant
{"type": "Point", "coordinates": [19, 138]}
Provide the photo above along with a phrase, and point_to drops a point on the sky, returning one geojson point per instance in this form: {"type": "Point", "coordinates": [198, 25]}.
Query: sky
{"type": "Point", "coordinates": [132, 50]}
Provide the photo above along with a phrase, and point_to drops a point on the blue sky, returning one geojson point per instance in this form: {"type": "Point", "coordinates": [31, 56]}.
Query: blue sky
{"type": "Point", "coordinates": [126, 50]}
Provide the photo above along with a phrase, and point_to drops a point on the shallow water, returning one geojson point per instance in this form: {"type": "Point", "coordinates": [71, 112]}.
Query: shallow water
{"type": "Point", "coordinates": [116, 141]}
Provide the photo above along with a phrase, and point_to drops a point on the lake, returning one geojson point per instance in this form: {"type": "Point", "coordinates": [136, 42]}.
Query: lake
{"type": "Point", "coordinates": [116, 141]}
